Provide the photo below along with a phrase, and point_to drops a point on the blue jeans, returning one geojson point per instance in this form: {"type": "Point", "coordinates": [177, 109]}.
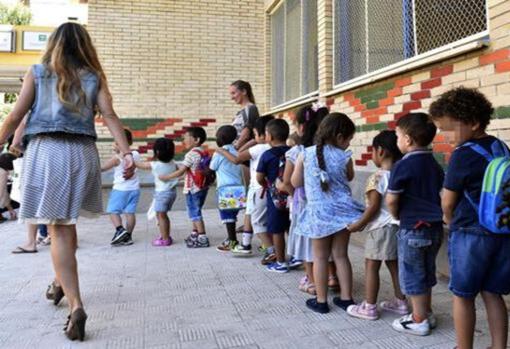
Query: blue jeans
{"type": "Point", "coordinates": [479, 261]}
{"type": "Point", "coordinates": [417, 252]}
{"type": "Point", "coordinates": [194, 203]}
{"type": "Point", "coordinates": [43, 230]}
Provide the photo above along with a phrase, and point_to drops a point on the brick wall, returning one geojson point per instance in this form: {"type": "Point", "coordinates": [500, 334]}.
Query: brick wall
{"type": "Point", "coordinates": [174, 60]}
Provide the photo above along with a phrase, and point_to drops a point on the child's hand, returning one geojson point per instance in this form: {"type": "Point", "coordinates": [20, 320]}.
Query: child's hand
{"type": "Point", "coordinates": [279, 185]}
{"type": "Point", "coordinates": [355, 227]}
{"type": "Point", "coordinates": [162, 178]}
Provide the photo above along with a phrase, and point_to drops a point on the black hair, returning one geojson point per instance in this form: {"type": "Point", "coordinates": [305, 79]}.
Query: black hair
{"type": "Point", "coordinates": [310, 120]}
{"type": "Point", "coordinates": [129, 136]}
{"type": "Point", "coordinates": [261, 123]}
{"type": "Point", "coordinates": [333, 125]}
{"type": "Point", "coordinates": [418, 127]}
{"type": "Point", "coordinates": [242, 85]}
{"type": "Point", "coordinates": [387, 140]}
{"type": "Point", "coordinates": [322, 112]}
{"type": "Point", "coordinates": [164, 149]}
{"type": "Point", "coordinates": [197, 132]}
{"type": "Point", "coordinates": [278, 129]}
{"type": "Point", "coordinates": [467, 105]}
{"type": "Point", "coordinates": [226, 134]}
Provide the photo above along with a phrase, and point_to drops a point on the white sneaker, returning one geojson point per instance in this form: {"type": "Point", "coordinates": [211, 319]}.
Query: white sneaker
{"type": "Point", "coordinates": [406, 324]}
{"type": "Point", "coordinates": [432, 320]}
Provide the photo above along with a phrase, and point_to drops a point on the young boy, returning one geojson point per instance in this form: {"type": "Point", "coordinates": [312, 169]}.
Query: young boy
{"type": "Point", "coordinates": [194, 188]}
{"type": "Point", "coordinates": [413, 198]}
{"type": "Point", "coordinates": [256, 206]}
{"type": "Point", "coordinates": [124, 196]}
{"type": "Point", "coordinates": [277, 132]}
{"type": "Point", "coordinates": [479, 259]}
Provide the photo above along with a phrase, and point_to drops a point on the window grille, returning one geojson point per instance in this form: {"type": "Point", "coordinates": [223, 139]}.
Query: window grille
{"type": "Point", "coordinates": [294, 51]}
{"type": "Point", "coordinates": [370, 35]}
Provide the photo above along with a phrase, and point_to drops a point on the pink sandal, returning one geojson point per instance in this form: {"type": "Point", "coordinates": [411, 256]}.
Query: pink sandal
{"type": "Point", "coordinates": [159, 242]}
{"type": "Point", "coordinates": [307, 286]}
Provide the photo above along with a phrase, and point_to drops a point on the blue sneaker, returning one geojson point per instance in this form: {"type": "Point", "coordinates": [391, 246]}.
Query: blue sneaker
{"type": "Point", "coordinates": [278, 267]}
{"type": "Point", "coordinates": [295, 263]}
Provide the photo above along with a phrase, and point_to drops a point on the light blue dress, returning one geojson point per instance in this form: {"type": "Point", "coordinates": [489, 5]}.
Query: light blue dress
{"type": "Point", "coordinates": [327, 212]}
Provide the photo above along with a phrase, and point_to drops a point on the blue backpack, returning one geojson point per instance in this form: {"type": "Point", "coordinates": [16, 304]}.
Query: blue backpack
{"type": "Point", "coordinates": [494, 207]}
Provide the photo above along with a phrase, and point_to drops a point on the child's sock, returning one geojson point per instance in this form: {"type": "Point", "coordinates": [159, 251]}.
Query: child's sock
{"type": "Point", "coordinates": [247, 237]}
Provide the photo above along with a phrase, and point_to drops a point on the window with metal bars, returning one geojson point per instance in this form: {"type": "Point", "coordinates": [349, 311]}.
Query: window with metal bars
{"type": "Point", "coordinates": [294, 51]}
{"type": "Point", "coordinates": [371, 35]}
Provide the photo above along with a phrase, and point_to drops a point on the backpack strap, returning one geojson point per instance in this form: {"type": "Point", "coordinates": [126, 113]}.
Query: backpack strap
{"type": "Point", "coordinates": [477, 148]}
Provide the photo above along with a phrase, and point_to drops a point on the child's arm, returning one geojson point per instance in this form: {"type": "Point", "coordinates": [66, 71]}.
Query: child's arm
{"type": "Point", "coordinates": [179, 173]}
{"type": "Point", "coordinates": [239, 159]}
{"type": "Point", "coordinates": [392, 201]}
{"type": "Point", "coordinates": [449, 200]}
{"type": "Point", "coordinates": [286, 185]}
{"type": "Point", "coordinates": [114, 161]}
{"type": "Point", "coordinates": [374, 199]}
{"type": "Point", "coordinates": [247, 145]}
{"type": "Point", "coordinates": [297, 179]}
{"type": "Point", "coordinates": [143, 165]}
{"type": "Point", "coordinates": [350, 170]}
{"type": "Point", "coordinates": [261, 178]}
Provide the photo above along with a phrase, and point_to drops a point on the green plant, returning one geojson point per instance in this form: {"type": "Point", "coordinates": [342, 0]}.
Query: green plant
{"type": "Point", "coordinates": [10, 98]}
{"type": "Point", "coordinates": [18, 14]}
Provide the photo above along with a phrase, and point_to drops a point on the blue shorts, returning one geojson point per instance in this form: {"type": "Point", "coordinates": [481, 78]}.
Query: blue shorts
{"type": "Point", "coordinates": [194, 203]}
{"type": "Point", "coordinates": [164, 200]}
{"type": "Point", "coordinates": [417, 252]}
{"type": "Point", "coordinates": [228, 216]}
{"type": "Point", "coordinates": [479, 261]}
{"type": "Point", "coordinates": [123, 201]}
{"type": "Point", "coordinates": [278, 221]}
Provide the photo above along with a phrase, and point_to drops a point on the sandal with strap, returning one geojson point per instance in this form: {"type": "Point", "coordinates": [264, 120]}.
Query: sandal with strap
{"type": "Point", "coordinates": [54, 293]}
{"type": "Point", "coordinates": [307, 286]}
{"type": "Point", "coordinates": [75, 325]}
{"type": "Point", "coordinates": [333, 283]}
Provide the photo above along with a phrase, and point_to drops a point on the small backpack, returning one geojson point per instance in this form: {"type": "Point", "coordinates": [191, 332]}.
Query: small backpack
{"type": "Point", "coordinates": [279, 197]}
{"type": "Point", "coordinates": [494, 206]}
{"type": "Point", "coordinates": [203, 176]}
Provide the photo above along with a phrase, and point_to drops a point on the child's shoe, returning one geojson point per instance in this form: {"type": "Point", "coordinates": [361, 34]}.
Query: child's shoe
{"type": "Point", "coordinates": [317, 307]}
{"type": "Point", "coordinates": [227, 245]}
{"type": "Point", "coordinates": [269, 257]}
{"type": "Point", "coordinates": [241, 250]}
{"type": "Point", "coordinates": [333, 283]}
{"type": "Point", "coordinates": [363, 311]}
{"type": "Point", "coordinates": [306, 286]}
{"type": "Point", "coordinates": [432, 320]}
{"type": "Point", "coordinates": [201, 241]}
{"type": "Point", "coordinates": [406, 324]}
{"type": "Point", "coordinates": [295, 263]}
{"type": "Point", "coordinates": [344, 304]}
{"type": "Point", "coordinates": [159, 242]}
{"type": "Point", "coordinates": [191, 237]}
{"type": "Point", "coordinates": [278, 267]}
{"type": "Point", "coordinates": [397, 306]}
{"type": "Point", "coordinates": [119, 236]}
{"type": "Point", "coordinates": [128, 241]}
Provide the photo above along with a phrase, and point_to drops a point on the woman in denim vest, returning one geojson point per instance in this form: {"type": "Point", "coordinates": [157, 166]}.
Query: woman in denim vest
{"type": "Point", "coordinates": [62, 178]}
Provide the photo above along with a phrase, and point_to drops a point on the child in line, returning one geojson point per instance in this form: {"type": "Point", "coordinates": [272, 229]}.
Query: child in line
{"type": "Point", "coordinates": [479, 260]}
{"type": "Point", "coordinates": [277, 132]}
{"type": "Point", "coordinates": [164, 191]}
{"type": "Point", "coordinates": [413, 198]}
{"type": "Point", "coordinates": [325, 170]}
{"type": "Point", "coordinates": [124, 196]}
{"type": "Point", "coordinates": [227, 174]}
{"type": "Point", "coordinates": [256, 205]}
{"type": "Point", "coordinates": [381, 228]}
{"type": "Point", "coordinates": [195, 187]}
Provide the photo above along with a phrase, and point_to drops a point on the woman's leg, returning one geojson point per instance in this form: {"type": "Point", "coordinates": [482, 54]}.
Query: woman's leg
{"type": "Point", "coordinates": [372, 283]}
{"type": "Point", "coordinates": [164, 225]}
{"type": "Point", "coordinates": [393, 269]}
{"type": "Point", "coordinates": [343, 264]}
{"type": "Point", "coordinates": [498, 319]}
{"type": "Point", "coordinates": [63, 254]}
{"type": "Point", "coordinates": [30, 245]}
{"type": "Point", "coordinates": [321, 252]}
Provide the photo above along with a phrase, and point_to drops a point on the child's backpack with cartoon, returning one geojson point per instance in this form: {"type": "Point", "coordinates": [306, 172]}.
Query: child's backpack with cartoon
{"type": "Point", "coordinates": [494, 206]}
{"type": "Point", "coordinates": [279, 197]}
{"type": "Point", "coordinates": [203, 176]}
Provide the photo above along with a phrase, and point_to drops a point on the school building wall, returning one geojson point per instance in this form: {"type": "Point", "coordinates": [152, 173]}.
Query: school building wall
{"type": "Point", "coordinates": [169, 63]}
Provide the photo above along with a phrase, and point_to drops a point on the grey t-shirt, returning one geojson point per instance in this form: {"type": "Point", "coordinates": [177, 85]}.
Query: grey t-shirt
{"type": "Point", "coordinates": [246, 118]}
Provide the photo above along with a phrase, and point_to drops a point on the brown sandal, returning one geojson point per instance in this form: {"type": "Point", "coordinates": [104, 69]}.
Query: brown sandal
{"type": "Point", "coordinates": [333, 283]}
{"type": "Point", "coordinates": [75, 326]}
{"type": "Point", "coordinates": [54, 293]}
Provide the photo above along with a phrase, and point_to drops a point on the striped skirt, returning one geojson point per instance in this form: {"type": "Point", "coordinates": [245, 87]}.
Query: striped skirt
{"type": "Point", "coordinates": [61, 180]}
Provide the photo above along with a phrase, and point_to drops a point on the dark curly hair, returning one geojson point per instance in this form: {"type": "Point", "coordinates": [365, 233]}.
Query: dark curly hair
{"type": "Point", "coordinates": [164, 149]}
{"type": "Point", "coordinates": [467, 105]}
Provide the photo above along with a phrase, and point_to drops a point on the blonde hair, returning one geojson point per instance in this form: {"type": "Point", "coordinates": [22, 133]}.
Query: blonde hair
{"type": "Point", "coordinates": [69, 51]}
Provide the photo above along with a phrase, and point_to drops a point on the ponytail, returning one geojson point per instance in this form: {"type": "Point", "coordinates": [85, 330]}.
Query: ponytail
{"type": "Point", "coordinates": [322, 165]}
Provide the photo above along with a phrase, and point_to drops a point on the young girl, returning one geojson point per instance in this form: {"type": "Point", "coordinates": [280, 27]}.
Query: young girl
{"type": "Point", "coordinates": [381, 228]}
{"type": "Point", "coordinates": [227, 174]}
{"type": "Point", "coordinates": [325, 170]}
{"type": "Point", "coordinates": [62, 95]}
{"type": "Point", "coordinates": [164, 191]}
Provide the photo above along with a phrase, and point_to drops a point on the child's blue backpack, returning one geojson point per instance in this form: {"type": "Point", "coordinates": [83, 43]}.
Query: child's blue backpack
{"type": "Point", "coordinates": [494, 207]}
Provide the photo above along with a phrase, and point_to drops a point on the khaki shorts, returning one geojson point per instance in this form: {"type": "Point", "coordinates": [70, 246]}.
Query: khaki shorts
{"type": "Point", "coordinates": [381, 244]}
{"type": "Point", "coordinates": [256, 207]}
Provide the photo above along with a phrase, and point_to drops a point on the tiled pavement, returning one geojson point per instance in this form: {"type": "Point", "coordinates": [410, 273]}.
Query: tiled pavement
{"type": "Point", "coordinates": [145, 297]}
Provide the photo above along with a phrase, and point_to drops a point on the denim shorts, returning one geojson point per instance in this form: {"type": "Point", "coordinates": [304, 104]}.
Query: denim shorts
{"type": "Point", "coordinates": [417, 252]}
{"type": "Point", "coordinates": [278, 221]}
{"type": "Point", "coordinates": [479, 261]}
{"type": "Point", "coordinates": [123, 201]}
{"type": "Point", "coordinates": [194, 204]}
{"type": "Point", "coordinates": [164, 200]}
{"type": "Point", "coordinates": [228, 216]}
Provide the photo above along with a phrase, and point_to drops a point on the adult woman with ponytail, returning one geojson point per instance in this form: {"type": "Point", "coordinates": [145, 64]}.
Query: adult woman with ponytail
{"type": "Point", "coordinates": [62, 175]}
{"type": "Point", "coordinates": [244, 121]}
{"type": "Point", "coordinates": [325, 171]}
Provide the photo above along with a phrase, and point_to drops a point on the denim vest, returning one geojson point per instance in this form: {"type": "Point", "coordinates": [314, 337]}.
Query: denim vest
{"type": "Point", "coordinates": [49, 115]}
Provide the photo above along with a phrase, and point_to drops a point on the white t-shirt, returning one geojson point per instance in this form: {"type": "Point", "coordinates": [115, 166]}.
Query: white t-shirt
{"type": "Point", "coordinates": [162, 168]}
{"type": "Point", "coordinates": [256, 152]}
{"type": "Point", "coordinates": [121, 184]}
{"type": "Point", "coordinates": [379, 181]}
